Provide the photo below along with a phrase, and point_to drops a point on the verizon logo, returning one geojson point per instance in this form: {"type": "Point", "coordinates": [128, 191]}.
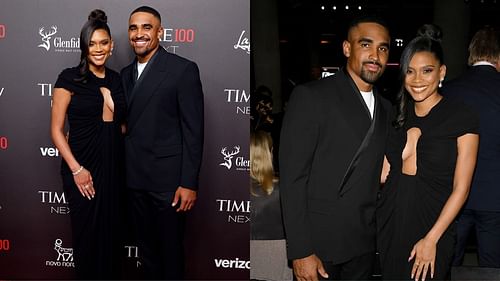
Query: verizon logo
{"type": "Point", "coordinates": [236, 263]}
{"type": "Point", "coordinates": [49, 151]}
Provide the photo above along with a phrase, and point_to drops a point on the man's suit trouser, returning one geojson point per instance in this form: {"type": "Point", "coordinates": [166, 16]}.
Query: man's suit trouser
{"type": "Point", "coordinates": [358, 268]}
{"type": "Point", "coordinates": [487, 228]}
{"type": "Point", "coordinates": [159, 231]}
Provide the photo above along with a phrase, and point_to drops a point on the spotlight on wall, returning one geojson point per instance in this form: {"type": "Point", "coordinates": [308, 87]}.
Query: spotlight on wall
{"type": "Point", "coordinates": [347, 7]}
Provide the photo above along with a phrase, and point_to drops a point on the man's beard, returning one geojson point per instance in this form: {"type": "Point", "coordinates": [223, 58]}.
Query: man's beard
{"type": "Point", "coordinates": [143, 52]}
{"type": "Point", "coordinates": [369, 76]}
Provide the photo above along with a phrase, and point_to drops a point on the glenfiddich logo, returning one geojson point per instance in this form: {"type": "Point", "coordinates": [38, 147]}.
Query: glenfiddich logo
{"type": "Point", "coordinates": [46, 36]}
{"type": "Point", "coordinates": [228, 156]}
{"type": "Point", "coordinates": [241, 163]}
{"type": "Point", "coordinates": [55, 43]}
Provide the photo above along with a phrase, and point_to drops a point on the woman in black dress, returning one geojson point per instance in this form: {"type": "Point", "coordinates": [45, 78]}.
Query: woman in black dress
{"type": "Point", "coordinates": [91, 97]}
{"type": "Point", "coordinates": [430, 156]}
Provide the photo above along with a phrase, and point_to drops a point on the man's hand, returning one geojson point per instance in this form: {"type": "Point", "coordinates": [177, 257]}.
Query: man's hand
{"type": "Point", "coordinates": [307, 269]}
{"type": "Point", "coordinates": [187, 197]}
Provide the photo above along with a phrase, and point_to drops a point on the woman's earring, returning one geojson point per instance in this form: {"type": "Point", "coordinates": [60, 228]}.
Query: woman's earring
{"type": "Point", "coordinates": [111, 53]}
{"type": "Point", "coordinates": [440, 83]}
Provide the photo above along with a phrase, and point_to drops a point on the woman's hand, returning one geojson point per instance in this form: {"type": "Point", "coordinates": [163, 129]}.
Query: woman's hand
{"type": "Point", "coordinates": [424, 253]}
{"type": "Point", "coordinates": [83, 181]}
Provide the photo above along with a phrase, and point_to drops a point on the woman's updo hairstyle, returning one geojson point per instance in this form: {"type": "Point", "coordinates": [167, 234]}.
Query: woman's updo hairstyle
{"type": "Point", "coordinates": [97, 19]}
{"type": "Point", "coordinates": [428, 40]}
{"type": "Point", "coordinates": [98, 15]}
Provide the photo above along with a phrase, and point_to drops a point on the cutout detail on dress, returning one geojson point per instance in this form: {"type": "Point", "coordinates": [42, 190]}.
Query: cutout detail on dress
{"type": "Point", "coordinates": [409, 156]}
{"type": "Point", "coordinates": [108, 107]}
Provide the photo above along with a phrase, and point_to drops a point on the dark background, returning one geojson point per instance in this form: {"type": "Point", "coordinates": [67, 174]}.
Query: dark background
{"type": "Point", "coordinates": [309, 38]}
{"type": "Point", "coordinates": [294, 41]}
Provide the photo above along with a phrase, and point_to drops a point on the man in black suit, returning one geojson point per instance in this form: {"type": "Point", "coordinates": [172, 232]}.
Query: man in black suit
{"type": "Point", "coordinates": [332, 148]}
{"type": "Point", "coordinates": [163, 144]}
{"type": "Point", "coordinates": [479, 87]}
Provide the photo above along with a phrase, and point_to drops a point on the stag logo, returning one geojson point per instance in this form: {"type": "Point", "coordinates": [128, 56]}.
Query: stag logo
{"type": "Point", "coordinates": [65, 254]}
{"type": "Point", "coordinates": [46, 36]}
{"type": "Point", "coordinates": [228, 156]}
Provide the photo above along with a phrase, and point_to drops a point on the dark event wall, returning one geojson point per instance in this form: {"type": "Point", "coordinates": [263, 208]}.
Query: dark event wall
{"type": "Point", "coordinates": [40, 38]}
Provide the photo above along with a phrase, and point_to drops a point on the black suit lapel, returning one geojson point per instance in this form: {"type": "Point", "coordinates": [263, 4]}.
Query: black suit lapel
{"type": "Point", "coordinates": [138, 82]}
{"type": "Point", "coordinates": [355, 89]}
{"type": "Point", "coordinates": [353, 106]}
{"type": "Point", "coordinates": [365, 126]}
{"type": "Point", "coordinates": [127, 81]}
{"type": "Point", "coordinates": [379, 117]}
{"type": "Point", "coordinates": [145, 87]}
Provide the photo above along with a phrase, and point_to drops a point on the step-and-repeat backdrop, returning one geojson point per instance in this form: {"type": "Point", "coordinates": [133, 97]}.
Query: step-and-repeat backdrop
{"type": "Point", "coordinates": [38, 39]}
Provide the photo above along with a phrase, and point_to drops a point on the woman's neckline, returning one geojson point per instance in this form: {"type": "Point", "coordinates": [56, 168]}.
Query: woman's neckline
{"type": "Point", "coordinates": [430, 110]}
{"type": "Point", "coordinates": [103, 77]}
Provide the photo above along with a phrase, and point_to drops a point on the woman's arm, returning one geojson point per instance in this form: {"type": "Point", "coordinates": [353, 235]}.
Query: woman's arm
{"type": "Point", "coordinates": [425, 249]}
{"type": "Point", "coordinates": [60, 101]}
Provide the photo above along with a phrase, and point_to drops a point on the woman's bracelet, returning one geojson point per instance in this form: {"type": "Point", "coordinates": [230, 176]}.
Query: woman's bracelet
{"type": "Point", "coordinates": [77, 171]}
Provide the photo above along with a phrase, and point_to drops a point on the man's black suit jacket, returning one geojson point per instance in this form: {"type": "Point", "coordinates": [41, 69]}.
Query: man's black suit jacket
{"type": "Point", "coordinates": [325, 124]}
{"type": "Point", "coordinates": [164, 140]}
{"type": "Point", "coordinates": [479, 87]}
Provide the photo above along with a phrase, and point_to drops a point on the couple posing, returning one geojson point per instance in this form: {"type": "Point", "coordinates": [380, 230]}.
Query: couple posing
{"type": "Point", "coordinates": [141, 129]}
{"type": "Point", "coordinates": [339, 140]}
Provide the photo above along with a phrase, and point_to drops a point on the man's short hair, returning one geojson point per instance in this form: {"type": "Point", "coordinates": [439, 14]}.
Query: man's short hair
{"type": "Point", "coordinates": [149, 10]}
{"type": "Point", "coordinates": [485, 46]}
{"type": "Point", "coordinates": [366, 19]}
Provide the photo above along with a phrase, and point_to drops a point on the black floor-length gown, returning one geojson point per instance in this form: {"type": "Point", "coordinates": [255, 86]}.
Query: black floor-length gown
{"type": "Point", "coordinates": [409, 205]}
{"type": "Point", "coordinates": [98, 146]}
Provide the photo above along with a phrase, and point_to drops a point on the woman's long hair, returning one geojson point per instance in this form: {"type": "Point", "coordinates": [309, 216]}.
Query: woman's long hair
{"type": "Point", "coordinates": [428, 40]}
{"type": "Point", "coordinates": [261, 160]}
{"type": "Point", "coordinates": [96, 20]}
